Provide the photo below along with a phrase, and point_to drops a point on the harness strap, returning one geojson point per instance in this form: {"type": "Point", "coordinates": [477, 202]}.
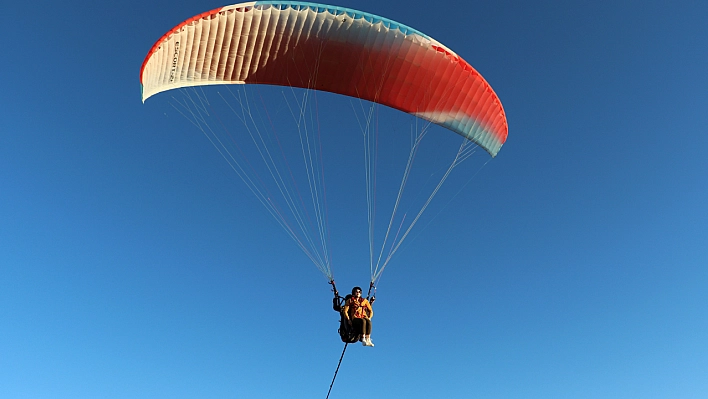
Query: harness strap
{"type": "Point", "coordinates": [369, 297]}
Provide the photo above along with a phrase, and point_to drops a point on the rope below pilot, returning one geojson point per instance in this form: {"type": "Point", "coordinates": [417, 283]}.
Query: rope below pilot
{"type": "Point", "coordinates": [358, 312]}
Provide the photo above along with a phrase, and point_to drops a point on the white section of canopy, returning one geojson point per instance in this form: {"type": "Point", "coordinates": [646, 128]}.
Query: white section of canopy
{"type": "Point", "coordinates": [200, 51]}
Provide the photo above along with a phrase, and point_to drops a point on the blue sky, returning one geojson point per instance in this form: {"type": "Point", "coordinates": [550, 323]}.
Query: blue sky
{"type": "Point", "coordinates": [133, 264]}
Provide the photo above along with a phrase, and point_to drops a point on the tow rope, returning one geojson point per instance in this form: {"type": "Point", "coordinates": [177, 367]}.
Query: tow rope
{"type": "Point", "coordinates": [337, 370]}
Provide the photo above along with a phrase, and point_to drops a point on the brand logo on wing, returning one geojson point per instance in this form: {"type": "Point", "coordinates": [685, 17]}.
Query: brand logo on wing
{"type": "Point", "coordinates": [175, 56]}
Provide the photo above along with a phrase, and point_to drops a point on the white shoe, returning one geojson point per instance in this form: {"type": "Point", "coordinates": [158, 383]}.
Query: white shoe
{"type": "Point", "coordinates": [369, 343]}
{"type": "Point", "coordinates": [364, 343]}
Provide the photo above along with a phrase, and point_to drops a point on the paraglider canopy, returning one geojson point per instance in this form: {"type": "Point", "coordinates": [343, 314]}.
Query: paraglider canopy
{"type": "Point", "coordinates": [333, 49]}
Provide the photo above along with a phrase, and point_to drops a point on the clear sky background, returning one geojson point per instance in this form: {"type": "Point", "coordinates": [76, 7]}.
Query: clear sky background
{"type": "Point", "coordinates": [133, 264]}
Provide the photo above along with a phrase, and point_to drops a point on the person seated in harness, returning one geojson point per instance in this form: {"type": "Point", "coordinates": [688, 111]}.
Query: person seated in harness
{"type": "Point", "coordinates": [358, 314]}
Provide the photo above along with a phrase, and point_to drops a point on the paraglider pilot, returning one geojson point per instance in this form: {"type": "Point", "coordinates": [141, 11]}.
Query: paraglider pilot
{"type": "Point", "coordinates": [358, 312]}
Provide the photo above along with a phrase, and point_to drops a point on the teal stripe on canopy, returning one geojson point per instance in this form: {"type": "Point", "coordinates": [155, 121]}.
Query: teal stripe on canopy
{"type": "Point", "coordinates": [335, 10]}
